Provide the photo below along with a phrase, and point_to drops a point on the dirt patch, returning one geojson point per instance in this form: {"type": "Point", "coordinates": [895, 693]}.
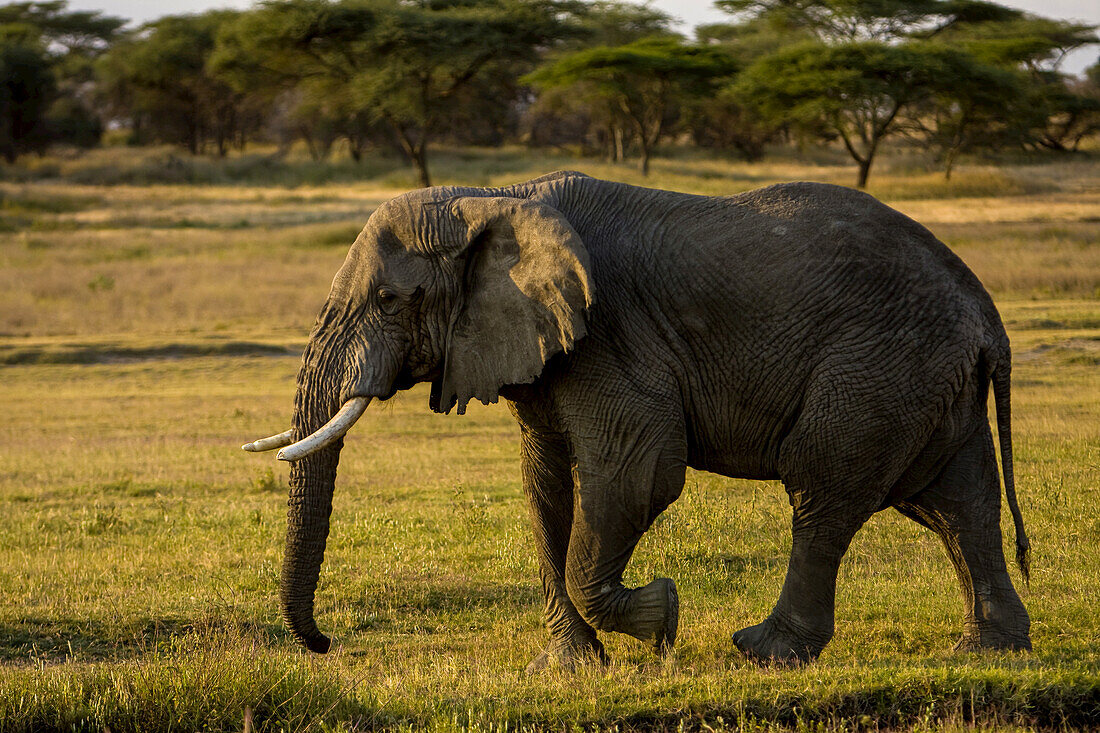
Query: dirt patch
{"type": "Point", "coordinates": [1076, 351]}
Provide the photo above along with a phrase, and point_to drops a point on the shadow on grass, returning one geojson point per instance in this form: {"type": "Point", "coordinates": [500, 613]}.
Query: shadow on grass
{"type": "Point", "coordinates": [735, 175]}
{"type": "Point", "coordinates": [101, 354]}
{"type": "Point", "coordinates": [428, 607]}
{"type": "Point", "coordinates": [951, 701]}
{"type": "Point", "coordinates": [42, 640]}
{"type": "Point", "coordinates": [415, 610]}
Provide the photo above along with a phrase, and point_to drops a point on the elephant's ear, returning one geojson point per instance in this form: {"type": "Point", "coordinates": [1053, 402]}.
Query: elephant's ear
{"type": "Point", "coordinates": [525, 288]}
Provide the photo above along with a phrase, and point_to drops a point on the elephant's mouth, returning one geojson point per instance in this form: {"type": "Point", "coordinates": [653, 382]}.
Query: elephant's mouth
{"type": "Point", "coordinates": [396, 386]}
{"type": "Point", "coordinates": [379, 389]}
{"type": "Point", "coordinates": [384, 395]}
{"type": "Point", "coordinates": [405, 379]}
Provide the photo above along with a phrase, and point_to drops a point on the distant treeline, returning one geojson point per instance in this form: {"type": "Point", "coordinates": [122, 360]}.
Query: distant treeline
{"type": "Point", "coordinates": [608, 77]}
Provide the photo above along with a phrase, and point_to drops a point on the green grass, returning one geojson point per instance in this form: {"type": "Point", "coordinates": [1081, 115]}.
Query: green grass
{"type": "Point", "coordinates": [140, 548]}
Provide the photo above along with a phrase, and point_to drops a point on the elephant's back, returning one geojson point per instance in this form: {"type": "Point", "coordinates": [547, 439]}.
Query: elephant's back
{"type": "Point", "coordinates": [797, 267]}
{"type": "Point", "coordinates": [799, 225]}
{"type": "Point", "coordinates": [814, 248]}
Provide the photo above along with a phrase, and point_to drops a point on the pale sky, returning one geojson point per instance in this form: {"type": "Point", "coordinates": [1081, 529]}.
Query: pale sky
{"type": "Point", "coordinates": [689, 12]}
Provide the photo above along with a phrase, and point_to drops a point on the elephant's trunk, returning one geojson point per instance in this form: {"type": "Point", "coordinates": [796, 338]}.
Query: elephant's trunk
{"type": "Point", "coordinates": [307, 523]}
{"type": "Point", "coordinates": [327, 377]}
{"type": "Point", "coordinates": [312, 480]}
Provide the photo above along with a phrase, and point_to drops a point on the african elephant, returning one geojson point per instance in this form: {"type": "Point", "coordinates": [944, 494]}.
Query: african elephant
{"type": "Point", "coordinates": [800, 332]}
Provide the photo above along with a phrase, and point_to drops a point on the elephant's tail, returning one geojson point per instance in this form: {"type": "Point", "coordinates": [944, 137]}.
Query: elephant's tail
{"type": "Point", "coordinates": [1002, 391]}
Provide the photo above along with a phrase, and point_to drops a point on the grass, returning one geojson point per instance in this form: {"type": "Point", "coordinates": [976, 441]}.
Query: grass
{"type": "Point", "coordinates": [149, 330]}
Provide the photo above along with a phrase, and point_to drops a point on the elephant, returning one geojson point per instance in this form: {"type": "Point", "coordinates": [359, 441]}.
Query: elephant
{"type": "Point", "coordinates": [802, 332]}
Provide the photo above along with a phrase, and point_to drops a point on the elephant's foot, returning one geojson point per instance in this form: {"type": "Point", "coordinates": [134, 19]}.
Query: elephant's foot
{"type": "Point", "coordinates": [774, 642]}
{"type": "Point", "coordinates": [999, 621]}
{"type": "Point", "coordinates": [652, 615]}
{"type": "Point", "coordinates": [567, 655]}
{"type": "Point", "coordinates": [975, 638]}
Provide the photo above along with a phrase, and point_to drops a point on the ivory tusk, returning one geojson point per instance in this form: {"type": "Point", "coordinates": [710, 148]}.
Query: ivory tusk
{"type": "Point", "coordinates": [275, 441]}
{"type": "Point", "coordinates": [330, 432]}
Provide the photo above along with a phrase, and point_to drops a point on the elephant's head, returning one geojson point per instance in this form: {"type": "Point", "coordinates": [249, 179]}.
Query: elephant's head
{"type": "Point", "coordinates": [468, 292]}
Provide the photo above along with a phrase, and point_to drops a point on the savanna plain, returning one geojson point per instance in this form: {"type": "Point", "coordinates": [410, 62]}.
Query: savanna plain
{"type": "Point", "coordinates": [153, 309]}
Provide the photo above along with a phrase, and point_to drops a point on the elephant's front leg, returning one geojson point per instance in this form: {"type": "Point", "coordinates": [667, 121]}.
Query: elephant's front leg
{"type": "Point", "coordinates": [548, 484]}
{"type": "Point", "coordinates": [620, 493]}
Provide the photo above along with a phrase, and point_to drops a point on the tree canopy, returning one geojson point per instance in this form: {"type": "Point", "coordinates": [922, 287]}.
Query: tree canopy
{"type": "Point", "coordinates": [588, 76]}
{"type": "Point", "coordinates": [643, 82]}
{"type": "Point", "coordinates": [46, 55]}
{"type": "Point", "coordinates": [860, 91]}
{"type": "Point", "coordinates": [406, 65]}
{"type": "Point", "coordinates": [159, 76]}
{"type": "Point", "coordinates": [854, 20]}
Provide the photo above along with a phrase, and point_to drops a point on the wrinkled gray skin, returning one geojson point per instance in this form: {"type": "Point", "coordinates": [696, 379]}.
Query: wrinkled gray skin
{"type": "Point", "coordinates": [800, 332]}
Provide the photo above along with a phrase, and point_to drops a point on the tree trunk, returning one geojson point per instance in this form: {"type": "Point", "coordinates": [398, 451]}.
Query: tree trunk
{"type": "Point", "coordinates": [870, 141]}
{"type": "Point", "coordinates": [416, 151]}
{"type": "Point", "coordinates": [864, 172]}
{"type": "Point", "coordinates": [949, 162]}
{"type": "Point", "coordinates": [420, 163]}
{"type": "Point", "coordinates": [868, 159]}
{"type": "Point", "coordinates": [645, 144]}
{"type": "Point", "coordinates": [311, 145]}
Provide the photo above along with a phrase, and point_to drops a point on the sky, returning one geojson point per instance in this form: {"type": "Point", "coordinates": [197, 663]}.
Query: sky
{"type": "Point", "coordinates": [690, 12]}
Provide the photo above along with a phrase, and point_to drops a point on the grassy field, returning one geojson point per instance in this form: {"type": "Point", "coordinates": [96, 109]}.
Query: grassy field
{"type": "Point", "coordinates": [152, 310]}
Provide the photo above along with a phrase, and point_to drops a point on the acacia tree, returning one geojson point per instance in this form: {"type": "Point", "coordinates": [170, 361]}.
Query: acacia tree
{"type": "Point", "coordinates": [1048, 109]}
{"type": "Point", "coordinates": [27, 88]}
{"type": "Point", "coordinates": [557, 115]}
{"type": "Point", "coordinates": [847, 21]}
{"type": "Point", "coordinates": [1081, 118]}
{"type": "Point", "coordinates": [406, 65]}
{"type": "Point", "coordinates": [769, 27]}
{"type": "Point", "coordinates": [160, 80]}
{"type": "Point", "coordinates": [46, 53]}
{"type": "Point", "coordinates": [1022, 41]}
{"type": "Point", "coordinates": [968, 110]}
{"type": "Point", "coordinates": [617, 23]}
{"type": "Point", "coordinates": [644, 82]}
{"type": "Point", "coordinates": [72, 39]}
{"type": "Point", "coordinates": [74, 31]}
{"type": "Point", "coordinates": [724, 121]}
{"type": "Point", "coordinates": [1070, 112]}
{"type": "Point", "coordinates": [858, 92]}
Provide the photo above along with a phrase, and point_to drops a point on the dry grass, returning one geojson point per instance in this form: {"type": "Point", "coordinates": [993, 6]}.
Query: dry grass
{"type": "Point", "coordinates": [83, 260]}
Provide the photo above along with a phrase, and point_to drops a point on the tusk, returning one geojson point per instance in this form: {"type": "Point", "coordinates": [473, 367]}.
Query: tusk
{"type": "Point", "coordinates": [275, 441]}
{"type": "Point", "coordinates": [330, 432]}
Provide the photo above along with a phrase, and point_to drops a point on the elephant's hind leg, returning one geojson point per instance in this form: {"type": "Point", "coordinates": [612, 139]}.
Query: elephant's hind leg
{"type": "Point", "coordinates": [802, 622]}
{"type": "Point", "coordinates": [963, 506]}
{"type": "Point", "coordinates": [848, 446]}
{"type": "Point", "coordinates": [548, 484]}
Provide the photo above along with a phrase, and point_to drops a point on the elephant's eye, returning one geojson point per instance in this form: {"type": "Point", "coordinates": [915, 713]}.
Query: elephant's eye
{"type": "Point", "coordinates": [386, 297]}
